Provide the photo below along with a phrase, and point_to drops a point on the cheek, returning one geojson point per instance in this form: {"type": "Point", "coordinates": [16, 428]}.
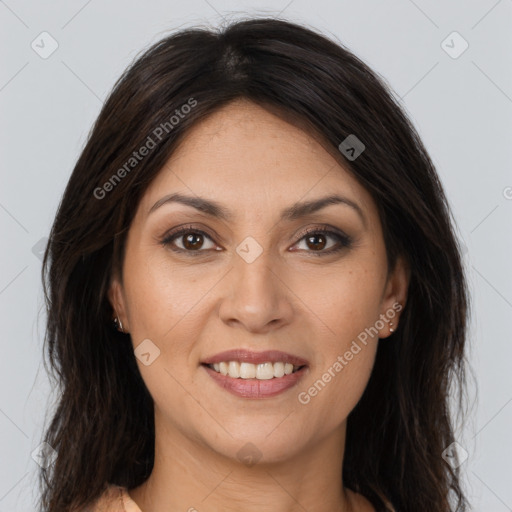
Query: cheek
{"type": "Point", "coordinates": [335, 387]}
{"type": "Point", "coordinates": [163, 308]}
{"type": "Point", "coordinates": [344, 299]}
{"type": "Point", "coordinates": [168, 304]}
{"type": "Point", "coordinates": [348, 306]}
{"type": "Point", "coordinates": [161, 294]}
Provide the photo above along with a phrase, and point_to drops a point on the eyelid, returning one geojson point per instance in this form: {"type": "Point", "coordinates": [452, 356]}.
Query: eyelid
{"type": "Point", "coordinates": [323, 228]}
{"type": "Point", "coordinates": [180, 231]}
{"type": "Point", "coordinates": [344, 240]}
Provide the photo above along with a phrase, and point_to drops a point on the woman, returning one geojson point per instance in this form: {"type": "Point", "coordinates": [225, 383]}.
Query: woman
{"type": "Point", "coordinates": [261, 223]}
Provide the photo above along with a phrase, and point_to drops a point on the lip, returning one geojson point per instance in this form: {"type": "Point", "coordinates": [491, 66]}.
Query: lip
{"type": "Point", "coordinates": [255, 388]}
{"type": "Point", "coordinates": [249, 356]}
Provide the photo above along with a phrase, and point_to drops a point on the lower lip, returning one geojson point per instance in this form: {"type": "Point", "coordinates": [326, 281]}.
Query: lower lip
{"type": "Point", "coordinates": [255, 388]}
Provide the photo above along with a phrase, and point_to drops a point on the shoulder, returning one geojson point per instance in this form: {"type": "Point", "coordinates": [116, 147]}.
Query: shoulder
{"type": "Point", "coordinates": [114, 499]}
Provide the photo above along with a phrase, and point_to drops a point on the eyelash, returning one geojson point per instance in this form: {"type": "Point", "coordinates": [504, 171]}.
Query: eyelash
{"type": "Point", "coordinates": [344, 241]}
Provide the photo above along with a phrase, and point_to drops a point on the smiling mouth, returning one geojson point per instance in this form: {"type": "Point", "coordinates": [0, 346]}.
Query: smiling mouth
{"type": "Point", "coordinates": [262, 371]}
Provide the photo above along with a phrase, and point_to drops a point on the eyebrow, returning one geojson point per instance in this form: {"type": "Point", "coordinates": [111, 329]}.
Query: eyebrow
{"type": "Point", "coordinates": [296, 211]}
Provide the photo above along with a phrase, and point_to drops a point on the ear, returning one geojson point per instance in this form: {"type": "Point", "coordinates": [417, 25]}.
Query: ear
{"type": "Point", "coordinates": [118, 302]}
{"type": "Point", "coordinates": [395, 297]}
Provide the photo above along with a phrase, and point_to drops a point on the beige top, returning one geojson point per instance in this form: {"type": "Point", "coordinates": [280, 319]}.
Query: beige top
{"type": "Point", "coordinates": [117, 499]}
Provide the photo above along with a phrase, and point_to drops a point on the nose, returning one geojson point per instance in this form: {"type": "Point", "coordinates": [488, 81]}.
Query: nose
{"type": "Point", "coordinates": [256, 297]}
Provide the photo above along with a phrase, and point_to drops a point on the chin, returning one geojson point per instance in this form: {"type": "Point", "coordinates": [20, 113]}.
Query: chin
{"type": "Point", "coordinates": [255, 446]}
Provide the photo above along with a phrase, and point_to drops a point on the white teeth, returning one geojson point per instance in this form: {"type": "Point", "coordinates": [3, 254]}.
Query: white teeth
{"type": "Point", "coordinates": [234, 369]}
{"type": "Point", "coordinates": [279, 369]}
{"type": "Point", "coordinates": [263, 371]}
{"type": "Point", "coordinates": [247, 371]}
{"type": "Point", "coordinates": [223, 368]}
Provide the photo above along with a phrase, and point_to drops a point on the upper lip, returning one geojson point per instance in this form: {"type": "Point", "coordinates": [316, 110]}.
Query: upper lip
{"type": "Point", "coordinates": [249, 356]}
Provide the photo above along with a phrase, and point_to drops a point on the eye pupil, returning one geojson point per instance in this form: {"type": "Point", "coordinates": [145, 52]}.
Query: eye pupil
{"type": "Point", "coordinates": [310, 239]}
{"type": "Point", "coordinates": [189, 242]}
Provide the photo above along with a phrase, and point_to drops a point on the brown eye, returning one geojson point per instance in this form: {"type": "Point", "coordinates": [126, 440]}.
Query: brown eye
{"type": "Point", "coordinates": [317, 240]}
{"type": "Point", "coordinates": [192, 240]}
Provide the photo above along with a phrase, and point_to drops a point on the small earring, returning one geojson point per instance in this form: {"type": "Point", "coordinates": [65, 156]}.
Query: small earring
{"type": "Point", "coordinates": [391, 328]}
{"type": "Point", "coordinates": [118, 324]}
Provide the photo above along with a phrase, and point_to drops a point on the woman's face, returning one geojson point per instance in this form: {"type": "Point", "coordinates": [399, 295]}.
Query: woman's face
{"type": "Point", "coordinates": [255, 281]}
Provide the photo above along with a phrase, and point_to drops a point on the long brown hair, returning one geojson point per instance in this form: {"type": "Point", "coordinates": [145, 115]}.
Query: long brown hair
{"type": "Point", "coordinates": [103, 427]}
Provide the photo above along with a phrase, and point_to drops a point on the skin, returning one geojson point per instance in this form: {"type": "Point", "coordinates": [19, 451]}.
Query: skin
{"type": "Point", "coordinates": [291, 298]}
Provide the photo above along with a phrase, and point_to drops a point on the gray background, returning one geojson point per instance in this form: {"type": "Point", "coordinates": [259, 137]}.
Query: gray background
{"type": "Point", "coordinates": [461, 106]}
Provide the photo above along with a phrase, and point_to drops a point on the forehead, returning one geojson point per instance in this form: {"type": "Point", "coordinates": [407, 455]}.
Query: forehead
{"type": "Point", "coordinates": [249, 159]}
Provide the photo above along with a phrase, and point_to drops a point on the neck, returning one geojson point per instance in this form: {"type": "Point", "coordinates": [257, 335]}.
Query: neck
{"type": "Point", "coordinates": [189, 475]}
